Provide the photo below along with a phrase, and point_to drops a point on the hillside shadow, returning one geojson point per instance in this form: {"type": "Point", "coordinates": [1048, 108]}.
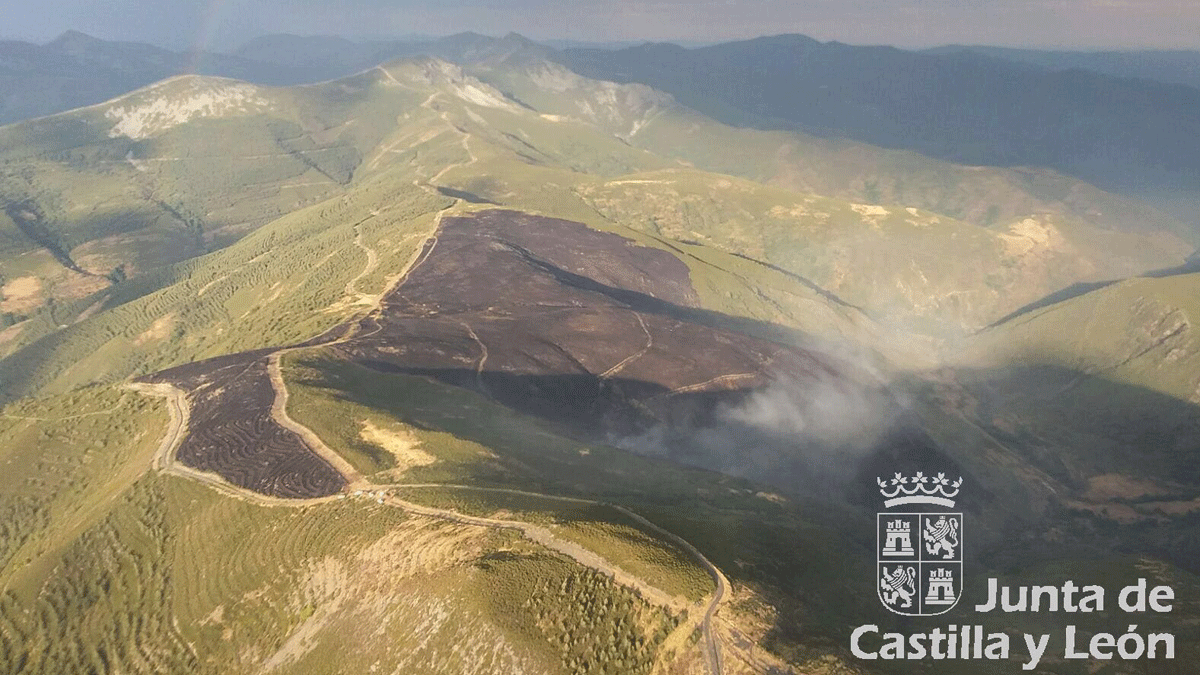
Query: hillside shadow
{"type": "Point", "coordinates": [469, 197]}
{"type": "Point", "coordinates": [693, 429]}
{"type": "Point", "coordinates": [1069, 434]}
{"type": "Point", "coordinates": [1120, 458]}
{"type": "Point", "coordinates": [648, 304]}
{"type": "Point", "coordinates": [1191, 266]}
{"type": "Point", "coordinates": [1072, 425]}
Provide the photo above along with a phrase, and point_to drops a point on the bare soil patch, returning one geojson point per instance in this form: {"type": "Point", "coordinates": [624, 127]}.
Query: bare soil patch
{"type": "Point", "coordinates": [21, 295]}
{"type": "Point", "coordinates": [402, 445]}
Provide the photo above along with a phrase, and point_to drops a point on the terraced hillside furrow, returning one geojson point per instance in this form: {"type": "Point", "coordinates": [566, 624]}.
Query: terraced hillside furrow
{"type": "Point", "coordinates": [83, 621]}
{"type": "Point", "coordinates": [233, 433]}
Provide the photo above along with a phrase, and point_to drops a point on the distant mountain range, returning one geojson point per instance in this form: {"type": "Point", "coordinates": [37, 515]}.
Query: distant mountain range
{"type": "Point", "coordinates": [76, 70]}
{"type": "Point", "coordinates": [1126, 122]}
{"type": "Point", "coordinates": [1170, 66]}
{"type": "Point", "coordinates": [1133, 135]}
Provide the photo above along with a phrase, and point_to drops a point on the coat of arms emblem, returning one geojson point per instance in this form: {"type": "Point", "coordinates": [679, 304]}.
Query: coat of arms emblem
{"type": "Point", "coordinates": [919, 571]}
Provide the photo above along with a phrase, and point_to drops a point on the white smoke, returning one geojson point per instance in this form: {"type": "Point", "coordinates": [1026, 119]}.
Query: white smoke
{"type": "Point", "coordinates": [798, 433]}
{"type": "Point", "coordinates": [822, 412]}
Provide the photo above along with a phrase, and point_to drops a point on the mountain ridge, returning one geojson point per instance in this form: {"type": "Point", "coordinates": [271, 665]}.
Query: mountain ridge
{"type": "Point", "coordinates": [331, 139]}
{"type": "Point", "coordinates": [1173, 66]}
{"type": "Point", "coordinates": [579, 346]}
{"type": "Point", "coordinates": [963, 107]}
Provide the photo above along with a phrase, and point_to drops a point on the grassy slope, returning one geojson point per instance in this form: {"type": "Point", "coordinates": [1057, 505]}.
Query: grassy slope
{"type": "Point", "coordinates": [280, 285]}
{"type": "Point", "coordinates": [148, 195]}
{"type": "Point", "coordinates": [178, 578]}
{"type": "Point", "coordinates": [1137, 332]}
{"type": "Point", "coordinates": [929, 273]}
{"type": "Point", "coordinates": [69, 458]}
{"type": "Point", "coordinates": [107, 567]}
{"type": "Point", "coordinates": [545, 165]}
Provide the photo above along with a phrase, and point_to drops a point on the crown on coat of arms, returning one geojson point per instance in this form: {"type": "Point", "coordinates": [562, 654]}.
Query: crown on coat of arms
{"type": "Point", "coordinates": [919, 489]}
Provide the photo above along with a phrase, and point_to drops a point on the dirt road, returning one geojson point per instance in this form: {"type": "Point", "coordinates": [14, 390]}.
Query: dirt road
{"type": "Point", "coordinates": [165, 460]}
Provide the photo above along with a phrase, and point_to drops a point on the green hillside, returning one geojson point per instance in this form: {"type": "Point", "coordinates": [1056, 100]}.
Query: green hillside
{"type": "Point", "coordinates": [743, 326]}
{"type": "Point", "coordinates": [1137, 332]}
{"type": "Point", "coordinates": [833, 167]}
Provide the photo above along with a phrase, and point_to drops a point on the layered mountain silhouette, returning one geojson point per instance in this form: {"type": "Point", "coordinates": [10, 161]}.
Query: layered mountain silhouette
{"type": "Point", "coordinates": [1126, 122]}
{"type": "Point", "coordinates": [1137, 136]}
{"type": "Point", "coordinates": [475, 340]}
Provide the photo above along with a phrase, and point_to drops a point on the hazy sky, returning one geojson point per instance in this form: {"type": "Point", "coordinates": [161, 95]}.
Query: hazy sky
{"type": "Point", "coordinates": [221, 23]}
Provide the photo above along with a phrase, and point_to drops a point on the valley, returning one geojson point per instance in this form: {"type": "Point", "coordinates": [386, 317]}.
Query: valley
{"type": "Point", "coordinates": [480, 365]}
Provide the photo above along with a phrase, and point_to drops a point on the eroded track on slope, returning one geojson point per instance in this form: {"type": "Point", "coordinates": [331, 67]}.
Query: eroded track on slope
{"type": "Point", "coordinates": [546, 316]}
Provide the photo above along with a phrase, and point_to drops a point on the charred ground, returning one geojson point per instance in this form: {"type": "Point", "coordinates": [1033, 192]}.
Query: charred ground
{"type": "Point", "coordinates": [233, 433]}
{"type": "Point", "coordinates": [591, 331]}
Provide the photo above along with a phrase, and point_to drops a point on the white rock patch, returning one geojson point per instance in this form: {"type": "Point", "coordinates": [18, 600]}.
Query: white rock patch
{"type": "Point", "coordinates": [871, 210]}
{"type": "Point", "coordinates": [1026, 236]}
{"type": "Point", "coordinates": [440, 73]}
{"type": "Point", "coordinates": [153, 114]}
{"type": "Point", "coordinates": [480, 94]}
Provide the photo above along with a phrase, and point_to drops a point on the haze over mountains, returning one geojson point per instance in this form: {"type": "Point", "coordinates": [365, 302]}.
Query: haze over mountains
{"type": "Point", "coordinates": [570, 361]}
{"type": "Point", "coordinates": [1136, 136]}
{"type": "Point", "coordinates": [1073, 112]}
{"type": "Point", "coordinates": [76, 70]}
{"type": "Point", "coordinates": [1170, 66]}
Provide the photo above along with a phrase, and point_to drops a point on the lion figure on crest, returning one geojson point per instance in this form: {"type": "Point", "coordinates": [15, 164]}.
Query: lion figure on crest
{"type": "Point", "coordinates": [899, 585]}
{"type": "Point", "coordinates": [941, 536]}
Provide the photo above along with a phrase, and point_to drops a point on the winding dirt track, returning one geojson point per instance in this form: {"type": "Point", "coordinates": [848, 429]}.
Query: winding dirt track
{"type": "Point", "coordinates": [164, 461]}
{"type": "Point", "coordinates": [178, 407]}
{"type": "Point", "coordinates": [536, 533]}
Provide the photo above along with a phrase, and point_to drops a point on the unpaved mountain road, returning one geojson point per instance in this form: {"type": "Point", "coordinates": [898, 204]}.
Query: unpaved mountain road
{"type": "Point", "coordinates": [164, 461]}
{"type": "Point", "coordinates": [356, 485]}
{"type": "Point", "coordinates": [720, 583]}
